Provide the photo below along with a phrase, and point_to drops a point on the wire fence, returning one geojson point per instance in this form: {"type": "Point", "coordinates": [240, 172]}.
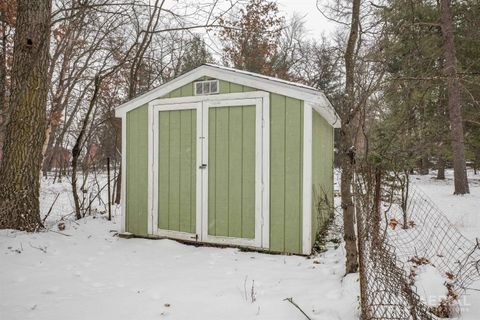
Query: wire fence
{"type": "Point", "coordinates": [400, 229]}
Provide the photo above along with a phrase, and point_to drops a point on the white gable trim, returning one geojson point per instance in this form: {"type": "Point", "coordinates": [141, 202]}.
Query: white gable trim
{"type": "Point", "coordinates": [317, 98]}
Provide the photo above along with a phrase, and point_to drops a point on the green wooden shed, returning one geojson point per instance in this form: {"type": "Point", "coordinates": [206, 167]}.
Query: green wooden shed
{"type": "Point", "coordinates": [224, 156]}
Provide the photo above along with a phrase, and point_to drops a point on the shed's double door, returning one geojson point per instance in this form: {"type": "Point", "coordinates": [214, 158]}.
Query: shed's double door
{"type": "Point", "coordinates": [208, 171]}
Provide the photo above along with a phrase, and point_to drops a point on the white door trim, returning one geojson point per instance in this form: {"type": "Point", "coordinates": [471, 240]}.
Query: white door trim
{"type": "Point", "coordinates": [153, 176]}
{"type": "Point", "coordinates": [262, 166]}
{"type": "Point", "coordinates": [260, 227]}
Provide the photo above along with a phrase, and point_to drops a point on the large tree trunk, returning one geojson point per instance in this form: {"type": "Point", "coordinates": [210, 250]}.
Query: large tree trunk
{"type": "Point", "coordinates": [454, 102]}
{"type": "Point", "coordinates": [3, 82]}
{"type": "Point", "coordinates": [25, 132]}
{"type": "Point", "coordinates": [349, 133]}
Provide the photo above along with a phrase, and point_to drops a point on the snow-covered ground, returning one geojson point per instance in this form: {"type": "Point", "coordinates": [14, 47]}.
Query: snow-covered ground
{"type": "Point", "coordinates": [86, 272]}
{"type": "Point", "coordinates": [464, 213]}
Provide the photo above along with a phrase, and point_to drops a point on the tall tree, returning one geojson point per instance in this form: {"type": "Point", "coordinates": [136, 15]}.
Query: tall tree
{"type": "Point", "coordinates": [196, 55]}
{"type": "Point", "coordinates": [7, 23]}
{"type": "Point", "coordinates": [454, 99]}
{"type": "Point", "coordinates": [350, 121]}
{"type": "Point", "coordinates": [25, 132]}
{"type": "Point", "coordinates": [251, 39]}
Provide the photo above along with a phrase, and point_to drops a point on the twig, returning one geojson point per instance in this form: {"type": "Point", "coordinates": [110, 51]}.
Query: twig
{"type": "Point", "coordinates": [50, 210]}
{"type": "Point", "coordinates": [245, 288]}
{"type": "Point", "coordinates": [44, 249]}
{"type": "Point", "coordinates": [63, 234]}
{"type": "Point", "coordinates": [296, 305]}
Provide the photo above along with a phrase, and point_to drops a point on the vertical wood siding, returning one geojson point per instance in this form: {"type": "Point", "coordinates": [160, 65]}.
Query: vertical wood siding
{"type": "Point", "coordinates": [231, 173]}
{"type": "Point", "coordinates": [286, 159]}
{"type": "Point", "coordinates": [137, 171]}
{"type": "Point", "coordinates": [286, 167]}
{"type": "Point", "coordinates": [322, 172]}
{"type": "Point", "coordinates": [177, 170]}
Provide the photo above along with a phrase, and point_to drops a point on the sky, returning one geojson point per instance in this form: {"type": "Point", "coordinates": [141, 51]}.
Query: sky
{"type": "Point", "coordinates": [315, 23]}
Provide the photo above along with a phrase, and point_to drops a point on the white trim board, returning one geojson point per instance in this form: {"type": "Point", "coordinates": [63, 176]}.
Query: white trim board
{"type": "Point", "coordinates": [260, 228]}
{"type": "Point", "coordinates": [307, 180]}
{"type": "Point", "coordinates": [153, 174]}
{"type": "Point", "coordinates": [123, 178]}
{"type": "Point", "coordinates": [258, 98]}
{"type": "Point", "coordinates": [257, 81]}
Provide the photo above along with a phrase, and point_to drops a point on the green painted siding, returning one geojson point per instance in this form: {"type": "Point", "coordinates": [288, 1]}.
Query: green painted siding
{"type": "Point", "coordinates": [322, 172]}
{"type": "Point", "coordinates": [231, 174]}
{"type": "Point", "coordinates": [231, 196]}
{"type": "Point", "coordinates": [177, 170]}
{"type": "Point", "coordinates": [136, 172]}
{"type": "Point", "coordinates": [286, 159]}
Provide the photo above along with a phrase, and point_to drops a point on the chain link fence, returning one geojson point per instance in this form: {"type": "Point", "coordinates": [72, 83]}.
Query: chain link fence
{"type": "Point", "coordinates": [399, 229]}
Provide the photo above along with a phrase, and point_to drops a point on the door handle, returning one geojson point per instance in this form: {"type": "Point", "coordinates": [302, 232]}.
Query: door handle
{"type": "Point", "coordinates": [203, 166]}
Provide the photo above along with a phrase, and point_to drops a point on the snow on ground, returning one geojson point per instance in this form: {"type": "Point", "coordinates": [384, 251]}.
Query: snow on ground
{"type": "Point", "coordinates": [86, 272]}
{"type": "Point", "coordinates": [430, 285]}
{"type": "Point", "coordinates": [464, 213]}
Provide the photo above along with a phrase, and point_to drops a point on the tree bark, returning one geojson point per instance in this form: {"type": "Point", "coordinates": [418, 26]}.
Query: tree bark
{"type": "Point", "coordinates": [79, 142]}
{"type": "Point", "coordinates": [118, 190]}
{"type": "Point", "coordinates": [348, 135]}
{"type": "Point", "coordinates": [441, 168]}
{"type": "Point", "coordinates": [25, 131]}
{"type": "Point", "coordinates": [423, 165]}
{"type": "Point", "coordinates": [3, 83]}
{"type": "Point", "coordinates": [454, 100]}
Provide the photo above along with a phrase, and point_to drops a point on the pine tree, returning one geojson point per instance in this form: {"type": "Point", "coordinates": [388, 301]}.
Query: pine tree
{"type": "Point", "coordinates": [196, 55]}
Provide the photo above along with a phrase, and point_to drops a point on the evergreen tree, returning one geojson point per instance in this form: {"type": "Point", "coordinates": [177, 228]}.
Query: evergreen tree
{"type": "Point", "coordinates": [196, 55]}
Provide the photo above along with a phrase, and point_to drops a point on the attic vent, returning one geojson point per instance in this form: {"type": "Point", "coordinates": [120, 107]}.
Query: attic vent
{"type": "Point", "coordinates": [205, 87]}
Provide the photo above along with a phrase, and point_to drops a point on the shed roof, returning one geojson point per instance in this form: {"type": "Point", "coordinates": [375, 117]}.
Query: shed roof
{"type": "Point", "coordinates": [270, 84]}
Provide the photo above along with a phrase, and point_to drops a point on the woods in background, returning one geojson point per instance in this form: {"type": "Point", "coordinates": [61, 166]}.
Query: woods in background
{"type": "Point", "coordinates": [403, 76]}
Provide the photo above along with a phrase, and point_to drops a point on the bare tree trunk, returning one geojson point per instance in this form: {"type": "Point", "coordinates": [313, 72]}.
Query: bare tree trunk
{"type": "Point", "coordinates": [3, 83]}
{"type": "Point", "coordinates": [133, 75]}
{"type": "Point", "coordinates": [441, 168]}
{"type": "Point", "coordinates": [118, 190]}
{"type": "Point", "coordinates": [454, 100]}
{"type": "Point", "coordinates": [476, 164]}
{"type": "Point", "coordinates": [77, 148]}
{"type": "Point", "coordinates": [423, 164]}
{"type": "Point", "coordinates": [25, 132]}
{"type": "Point", "coordinates": [349, 130]}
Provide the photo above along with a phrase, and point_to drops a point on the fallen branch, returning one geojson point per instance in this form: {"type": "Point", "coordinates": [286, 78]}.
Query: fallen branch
{"type": "Point", "coordinates": [63, 234]}
{"type": "Point", "coordinates": [50, 210]}
{"type": "Point", "coordinates": [298, 307]}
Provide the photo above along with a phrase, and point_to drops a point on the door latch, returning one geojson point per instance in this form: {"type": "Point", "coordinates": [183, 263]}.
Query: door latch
{"type": "Point", "coordinates": [203, 166]}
